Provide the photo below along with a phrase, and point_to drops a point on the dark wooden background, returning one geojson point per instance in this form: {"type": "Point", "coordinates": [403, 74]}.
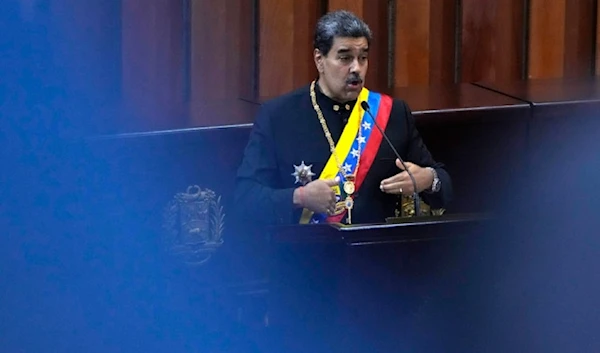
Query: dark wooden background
{"type": "Point", "coordinates": [182, 63]}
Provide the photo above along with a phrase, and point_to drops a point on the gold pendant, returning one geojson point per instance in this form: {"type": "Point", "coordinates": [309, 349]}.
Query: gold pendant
{"type": "Point", "coordinates": [349, 187]}
{"type": "Point", "coordinates": [349, 203]}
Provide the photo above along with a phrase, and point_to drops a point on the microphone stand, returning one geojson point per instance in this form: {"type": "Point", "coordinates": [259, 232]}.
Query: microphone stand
{"type": "Point", "coordinates": [416, 199]}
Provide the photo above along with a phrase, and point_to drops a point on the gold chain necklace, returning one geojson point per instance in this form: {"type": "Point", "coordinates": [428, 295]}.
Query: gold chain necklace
{"type": "Point", "coordinates": [349, 186]}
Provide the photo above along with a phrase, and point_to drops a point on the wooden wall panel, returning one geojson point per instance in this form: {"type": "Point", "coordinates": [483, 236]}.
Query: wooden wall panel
{"type": "Point", "coordinates": [442, 42]}
{"type": "Point", "coordinates": [246, 52]}
{"type": "Point", "coordinates": [546, 38]}
{"type": "Point", "coordinates": [285, 38]}
{"type": "Point", "coordinates": [221, 62]}
{"type": "Point", "coordinates": [375, 14]}
{"type": "Point", "coordinates": [356, 6]}
{"type": "Point", "coordinates": [598, 38]}
{"type": "Point", "coordinates": [424, 43]}
{"type": "Point", "coordinates": [212, 36]}
{"type": "Point", "coordinates": [306, 13]}
{"type": "Point", "coordinates": [579, 38]}
{"type": "Point", "coordinates": [84, 39]}
{"type": "Point", "coordinates": [152, 61]}
{"type": "Point", "coordinates": [412, 42]}
{"type": "Point", "coordinates": [561, 38]}
{"type": "Point", "coordinates": [492, 40]}
{"type": "Point", "coordinates": [277, 54]}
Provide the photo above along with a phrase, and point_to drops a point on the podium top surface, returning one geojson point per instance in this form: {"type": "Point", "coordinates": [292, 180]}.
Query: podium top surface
{"type": "Point", "coordinates": [394, 230]}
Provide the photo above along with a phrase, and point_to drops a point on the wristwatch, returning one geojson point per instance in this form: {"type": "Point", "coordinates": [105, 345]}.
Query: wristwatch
{"type": "Point", "coordinates": [437, 184]}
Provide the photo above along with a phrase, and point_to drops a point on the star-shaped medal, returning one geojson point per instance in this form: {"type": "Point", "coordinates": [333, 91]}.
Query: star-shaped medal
{"type": "Point", "coordinates": [303, 173]}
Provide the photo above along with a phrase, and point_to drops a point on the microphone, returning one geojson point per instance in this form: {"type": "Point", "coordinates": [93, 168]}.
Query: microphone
{"type": "Point", "coordinates": [416, 199]}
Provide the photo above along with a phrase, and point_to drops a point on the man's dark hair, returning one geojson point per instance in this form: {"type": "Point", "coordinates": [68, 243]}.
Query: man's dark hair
{"type": "Point", "coordinates": [339, 23]}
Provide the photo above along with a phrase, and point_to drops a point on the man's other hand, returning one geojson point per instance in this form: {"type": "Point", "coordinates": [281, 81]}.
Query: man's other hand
{"type": "Point", "coordinates": [401, 183]}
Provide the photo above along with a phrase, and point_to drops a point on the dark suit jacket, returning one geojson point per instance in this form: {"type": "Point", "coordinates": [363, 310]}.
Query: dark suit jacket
{"type": "Point", "coordinates": [287, 132]}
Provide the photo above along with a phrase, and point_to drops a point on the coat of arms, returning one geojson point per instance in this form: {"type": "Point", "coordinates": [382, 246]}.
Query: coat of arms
{"type": "Point", "coordinates": [194, 223]}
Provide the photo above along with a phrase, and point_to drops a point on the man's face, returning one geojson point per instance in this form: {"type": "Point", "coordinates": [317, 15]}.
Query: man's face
{"type": "Point", "coordinates": [342, 71]}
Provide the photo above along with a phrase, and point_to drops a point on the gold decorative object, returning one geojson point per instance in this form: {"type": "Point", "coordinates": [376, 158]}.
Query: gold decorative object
{"type": "Point", "coordinates": [407, 208]}
{"type": "Point", "coordinates": [194, 223]}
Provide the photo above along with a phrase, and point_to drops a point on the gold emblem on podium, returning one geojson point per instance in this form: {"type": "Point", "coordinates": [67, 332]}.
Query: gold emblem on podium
{"type": "Point", "coordinates": [405, 207]}
{"type": "Point", "coordinates": [194, 223]}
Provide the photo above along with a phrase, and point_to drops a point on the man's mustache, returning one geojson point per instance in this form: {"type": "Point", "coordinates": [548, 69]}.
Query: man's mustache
{"type": "Point", "coordinates": [354, 79]}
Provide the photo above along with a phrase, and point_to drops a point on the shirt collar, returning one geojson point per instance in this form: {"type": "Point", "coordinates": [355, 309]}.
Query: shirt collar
{"type": "Point", "coordinates": [329, 104]}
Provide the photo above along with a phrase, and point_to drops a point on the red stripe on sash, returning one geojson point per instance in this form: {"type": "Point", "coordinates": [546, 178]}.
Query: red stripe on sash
{"type": "Point", "coordinates": [368, 155]}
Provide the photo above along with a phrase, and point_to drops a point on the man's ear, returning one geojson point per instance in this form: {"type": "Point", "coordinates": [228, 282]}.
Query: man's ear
{"type": "Point", "coordinates": [318, 60]}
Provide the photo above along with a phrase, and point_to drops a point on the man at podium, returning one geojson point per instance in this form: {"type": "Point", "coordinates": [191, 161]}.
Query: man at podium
{"type": "Point", "coordinates": [317, 155]}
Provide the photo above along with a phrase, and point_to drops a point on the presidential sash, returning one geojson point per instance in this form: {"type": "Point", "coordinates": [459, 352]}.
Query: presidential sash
{"type": "Point", "coordinates": [351, 147]}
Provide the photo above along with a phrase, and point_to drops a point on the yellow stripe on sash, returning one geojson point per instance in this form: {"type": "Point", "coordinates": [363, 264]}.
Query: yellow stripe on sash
{"type": "Point", "coordinates": [342, 148]}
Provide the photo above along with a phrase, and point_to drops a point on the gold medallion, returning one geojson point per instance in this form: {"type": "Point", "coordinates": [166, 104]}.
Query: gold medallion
{"type": "Point", "coordinates": [349, 187]}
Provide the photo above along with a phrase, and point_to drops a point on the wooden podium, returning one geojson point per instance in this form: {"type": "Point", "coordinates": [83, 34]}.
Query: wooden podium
{"type": "Point", "coordinates": [371, 287]}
